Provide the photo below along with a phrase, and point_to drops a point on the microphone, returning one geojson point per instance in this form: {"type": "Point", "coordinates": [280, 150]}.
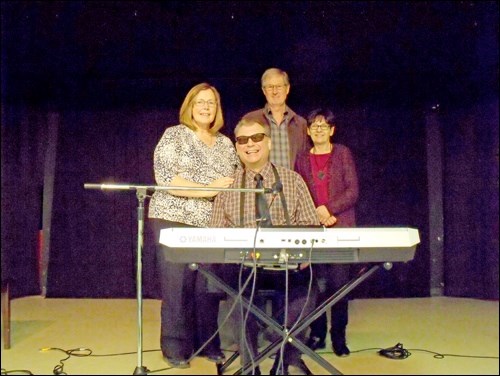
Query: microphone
{"type": "Point", "coordinates": [262, 215]}
{"type": "Point", "coordinates": [275, 189]}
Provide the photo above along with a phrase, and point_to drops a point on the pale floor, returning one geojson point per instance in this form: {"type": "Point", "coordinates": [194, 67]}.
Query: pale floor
{"type": "Point", "coordinates": [466, 330]}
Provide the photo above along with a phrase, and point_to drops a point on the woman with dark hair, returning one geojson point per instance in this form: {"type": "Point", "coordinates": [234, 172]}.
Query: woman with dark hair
{"type": "Point", "coordinates": [330, 173]}
{"type": "Point", "coordinates": [192, 154]}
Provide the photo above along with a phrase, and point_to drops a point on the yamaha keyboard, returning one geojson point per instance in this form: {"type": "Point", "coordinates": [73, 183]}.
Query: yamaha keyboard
{"type": "Point", "coordinates": [289, 245]}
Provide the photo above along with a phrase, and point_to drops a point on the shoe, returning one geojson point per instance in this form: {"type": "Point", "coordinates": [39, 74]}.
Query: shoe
{"type": "Point", "coordinates": [340, 348]}
{"type": "Point", "coordinates": [296, 367]}
{"type": "Point", "coordinates": [177, 363]}
{"type": "Point", "coordinates": [256, 371]}
{"type": "Point", "coordinates": [216, 357]}
{"type": "Point", "coordinates": [299, 368]}
{"type": "Point", "coordinates": [315, 343]}
{"type": "Point", "coordinates": [284, 370]}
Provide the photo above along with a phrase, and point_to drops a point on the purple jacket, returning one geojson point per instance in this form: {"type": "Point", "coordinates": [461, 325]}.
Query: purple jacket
{"type": "Point", "coordinates": [343, 187]}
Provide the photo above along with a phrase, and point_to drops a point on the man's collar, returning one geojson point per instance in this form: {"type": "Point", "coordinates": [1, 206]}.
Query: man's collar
{"type": "Point", "coordinates": [268, 111]}
{"type": "Point", "coordinates": [266, 171]}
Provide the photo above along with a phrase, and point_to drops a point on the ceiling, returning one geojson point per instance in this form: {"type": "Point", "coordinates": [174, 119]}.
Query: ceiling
{"type": "Point", "coordinates": [150, 52]}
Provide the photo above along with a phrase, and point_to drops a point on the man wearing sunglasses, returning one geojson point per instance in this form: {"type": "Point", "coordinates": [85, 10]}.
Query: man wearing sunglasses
{"type": "Point", "coordinates": [288, 129]}
{"type": "Point", "coordinates": [290, 204]}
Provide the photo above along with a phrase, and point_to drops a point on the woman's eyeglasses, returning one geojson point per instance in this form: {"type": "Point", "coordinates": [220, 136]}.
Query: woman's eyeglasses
{"type": "Point", "coordinates": [319, 126]}
{"type": "Point", "coordinates": [203, 103]}
{"type": "Point", "coordinates": [243, 140]}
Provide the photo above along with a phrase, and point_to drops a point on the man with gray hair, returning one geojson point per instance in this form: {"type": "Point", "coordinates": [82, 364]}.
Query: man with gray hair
{"type": "Point", "coordinates": [288, 129]}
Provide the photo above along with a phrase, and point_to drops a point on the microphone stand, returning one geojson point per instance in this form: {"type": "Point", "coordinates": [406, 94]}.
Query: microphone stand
{"type": "Point", "coordinates": [141, 194]}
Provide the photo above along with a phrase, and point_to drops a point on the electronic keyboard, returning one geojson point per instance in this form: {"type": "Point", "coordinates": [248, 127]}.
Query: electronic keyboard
{"type": "Point", "coordinates": [284, 245]}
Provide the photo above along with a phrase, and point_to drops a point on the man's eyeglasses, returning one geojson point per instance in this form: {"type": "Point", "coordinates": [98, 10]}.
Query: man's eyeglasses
{"type": "Point", "coordinates": [202, 103]}
{"type": "Point", "coordinates": [323, 127]}
{"type": "Point", "coordinates": [270, 88]}
{"type": "Point", "coordinates": [243, 140]}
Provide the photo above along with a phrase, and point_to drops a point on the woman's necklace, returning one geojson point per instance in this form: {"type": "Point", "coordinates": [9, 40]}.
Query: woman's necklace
{"type": "Point", "coordinates": [320, 171]}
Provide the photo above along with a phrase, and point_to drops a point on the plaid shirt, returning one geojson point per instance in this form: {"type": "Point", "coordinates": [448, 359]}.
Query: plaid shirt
{"type": "Point", "coordinates": [226, 209]}
{"type": "Point", "coordinates": [279, 137]}
{"type": "Point", "coordinates": [288, 139]}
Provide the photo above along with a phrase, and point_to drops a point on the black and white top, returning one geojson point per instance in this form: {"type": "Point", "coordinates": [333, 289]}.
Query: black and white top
{"type": "Point", "coordinates": [181, 152]}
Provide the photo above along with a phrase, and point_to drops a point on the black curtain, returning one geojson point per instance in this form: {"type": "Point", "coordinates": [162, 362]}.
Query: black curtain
{"type": "Point", "coordinates": [389, 147]}
{"type": "Point", "coordinates": [94, 233]}
{"type": "Point", "coordinates": [108, 70]}
{"type": "Point", "coordinates": [23, 140]}
{"type": "Point", "coordinates": [471, 201]}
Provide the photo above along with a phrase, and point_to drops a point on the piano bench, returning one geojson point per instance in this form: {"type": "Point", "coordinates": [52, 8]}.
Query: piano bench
{"type": "Point", "coordinates": [265, 293]}
{"type": "Point", "coordinates": [269, 298]}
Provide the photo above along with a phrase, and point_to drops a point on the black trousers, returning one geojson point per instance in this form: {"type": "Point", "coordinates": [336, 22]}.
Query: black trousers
{"type": "Point", "coordinates": [188, 310]}
{"type": "Point", "coordinates": [300, 301]}
{"type": "Point", "coordinates": [331, 277]}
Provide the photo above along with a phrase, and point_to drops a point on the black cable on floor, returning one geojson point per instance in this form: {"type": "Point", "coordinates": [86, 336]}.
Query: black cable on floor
{"type": "Point", "coordinates": [16, 372]}
{"type": "Point", "coordinates": [78, 352]}
{"type": "Point", "coordinates": [399, 352]}
{"type": "Point", "coordinates": [395, 352]}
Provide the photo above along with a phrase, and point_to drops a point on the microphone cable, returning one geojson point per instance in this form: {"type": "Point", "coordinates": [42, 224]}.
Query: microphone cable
{"type": "Point", "coordinates": [280, 365]}
{"type": "Point", "coordinates": [78, 352]}
{"type": "Point", "coordinates": [395, 352]}
{"type": "Point", "coordinates": [245, 314]}
{"type": "Point", "coordinates": [237, 300]}
{"type": "Point", "coordinates": [398, 352]}
{"type": "Point", "coordinates": [16, 372]}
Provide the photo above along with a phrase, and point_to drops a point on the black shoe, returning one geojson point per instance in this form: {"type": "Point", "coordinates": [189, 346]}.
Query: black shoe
{"type": "Point", "coordinates": [177, 363]}
{"type": "Point", "coordinates": [256, 371]}
{"type": "Point", "coordinates": [299, 368]}
{"type": "Point", "coordinates": [315, 343]}
{"type": "Point", "coordinates": [278, 368]}
{"type": "Point", "coordinates": [340, 348]}
{"type": "Point", "coordinates": [214, 356]}
{"type": "Point", "coordinates": [284, 370]}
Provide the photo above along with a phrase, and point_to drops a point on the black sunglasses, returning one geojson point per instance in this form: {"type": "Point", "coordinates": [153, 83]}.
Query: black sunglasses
{"type": "Point", "coordinates": [242, 140]}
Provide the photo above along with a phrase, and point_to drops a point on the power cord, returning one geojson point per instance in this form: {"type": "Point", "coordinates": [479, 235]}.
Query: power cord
{"type": "Point", "coordinates": [16, 372]}
{"type": "Point", "coordinates": [399, 352]}
{"type": "Point", "coordinates": [78, 352]}
{"type": "Point", "coordinates": [395, 352]}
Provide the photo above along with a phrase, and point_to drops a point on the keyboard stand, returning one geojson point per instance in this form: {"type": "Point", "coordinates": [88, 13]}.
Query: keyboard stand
{"type": "Point", "coordinates": [301, 325]}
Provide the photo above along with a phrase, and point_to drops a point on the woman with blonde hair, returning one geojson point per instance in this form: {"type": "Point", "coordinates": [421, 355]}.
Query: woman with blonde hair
{"type": "Point", "coordinates": [191, 154]}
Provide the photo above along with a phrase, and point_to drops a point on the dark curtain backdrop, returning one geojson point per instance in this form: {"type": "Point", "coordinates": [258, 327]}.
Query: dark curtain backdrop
{"type": "Point", "coordinates": [471, 201]}
{"type": "Point", "coordinates": [94, 233]}
{"type": "Point", "coordinates": [23, 148]}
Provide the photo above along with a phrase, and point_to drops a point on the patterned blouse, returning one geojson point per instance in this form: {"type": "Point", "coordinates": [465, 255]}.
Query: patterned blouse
{"type": "Point", "coordinates": [181, 152]}
{"type": "Point", "coordinates": [227, 210]}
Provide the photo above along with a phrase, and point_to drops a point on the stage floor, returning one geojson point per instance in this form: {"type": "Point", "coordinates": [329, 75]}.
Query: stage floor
{"type": "Point", "coordinates": [464, 330]}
